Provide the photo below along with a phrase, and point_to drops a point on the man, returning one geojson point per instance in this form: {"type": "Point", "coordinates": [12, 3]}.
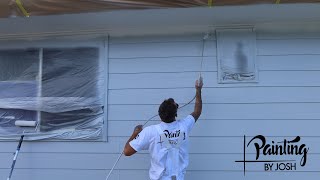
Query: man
{"type": "Point", "coordinates": [167, 142]}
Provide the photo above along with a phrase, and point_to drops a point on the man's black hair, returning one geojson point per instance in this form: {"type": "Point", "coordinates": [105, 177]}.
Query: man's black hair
{"type": "Point", "coordinates": [168, 110]}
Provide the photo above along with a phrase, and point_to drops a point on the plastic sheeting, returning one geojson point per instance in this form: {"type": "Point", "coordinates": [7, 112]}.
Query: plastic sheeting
{"type": "Point", "coordinates": [236, 55]}
{"type": "Point", "coordinates": [49, 7]}
{"type": "Point", "coordinates": [60, 88]}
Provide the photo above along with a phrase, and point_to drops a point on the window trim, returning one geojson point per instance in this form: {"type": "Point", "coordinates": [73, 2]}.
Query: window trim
{"type": "Point", "coordinates": [246, 34]}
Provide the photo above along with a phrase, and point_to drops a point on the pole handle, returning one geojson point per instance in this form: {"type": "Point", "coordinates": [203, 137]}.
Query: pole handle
{"type": "Point", "coordinates": [20, 142]}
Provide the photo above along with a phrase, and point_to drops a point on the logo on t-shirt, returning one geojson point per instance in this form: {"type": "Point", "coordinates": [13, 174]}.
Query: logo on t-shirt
{"type": "Point", "coordinates": [169, 134]}
{"type": "Point", "coordinates": [173, 138]}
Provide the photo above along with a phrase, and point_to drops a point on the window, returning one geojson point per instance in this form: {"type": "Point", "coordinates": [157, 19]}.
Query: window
{"type": "Point", "coordinates": [236, 53]}
{"type": "Point", "coordinates": [60, 84]}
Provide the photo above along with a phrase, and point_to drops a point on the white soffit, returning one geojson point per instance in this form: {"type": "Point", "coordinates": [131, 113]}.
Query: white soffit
{"type": "Point", "coordinates": [159, 21]}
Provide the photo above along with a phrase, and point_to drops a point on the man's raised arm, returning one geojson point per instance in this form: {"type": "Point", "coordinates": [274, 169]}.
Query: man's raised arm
{"type": "Point", "coordinates": [198, 104]}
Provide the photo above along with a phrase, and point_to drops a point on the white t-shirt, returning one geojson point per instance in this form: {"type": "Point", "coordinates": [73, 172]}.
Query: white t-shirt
{"type": "Point", "coordinates": [149, 139]}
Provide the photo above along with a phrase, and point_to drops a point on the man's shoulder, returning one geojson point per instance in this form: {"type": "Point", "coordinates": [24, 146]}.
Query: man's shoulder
{"type": "Point", "coordinates": [151, 129]}
{"type": "Point", "coordinates": [187, 122]}
{"type": "Point", "coordinates": [187, 118]}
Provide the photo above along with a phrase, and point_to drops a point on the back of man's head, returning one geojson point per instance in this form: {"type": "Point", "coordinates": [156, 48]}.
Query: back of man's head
{"type": "Point", "coordinates": [168, 110]}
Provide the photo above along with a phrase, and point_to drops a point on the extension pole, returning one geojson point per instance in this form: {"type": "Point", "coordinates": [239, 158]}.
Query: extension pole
{"type": "Point", "coordinates": [15, 157]}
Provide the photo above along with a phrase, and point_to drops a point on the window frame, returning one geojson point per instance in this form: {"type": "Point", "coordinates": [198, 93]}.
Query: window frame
{"type": "Point", "coordinates": [71, 42]}
{"type": "Point", "coordinates": [245, 35]}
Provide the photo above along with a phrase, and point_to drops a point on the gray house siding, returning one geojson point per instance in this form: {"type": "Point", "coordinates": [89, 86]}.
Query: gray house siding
{"type": "Point", "coordinates": [145, 70]}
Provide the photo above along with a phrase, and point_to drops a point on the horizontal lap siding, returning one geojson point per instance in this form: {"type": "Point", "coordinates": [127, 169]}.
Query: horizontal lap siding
{"type": "Point", "coordinates": [285, 103]}
{"type": "Point", "coordinates": [143, 71]}
{"type": "Point", "coordinates": [271, 111]}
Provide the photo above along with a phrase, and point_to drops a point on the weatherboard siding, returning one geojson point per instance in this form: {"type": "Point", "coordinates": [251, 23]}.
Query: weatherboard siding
{"type": "Point", "coordinates": [143, 71]}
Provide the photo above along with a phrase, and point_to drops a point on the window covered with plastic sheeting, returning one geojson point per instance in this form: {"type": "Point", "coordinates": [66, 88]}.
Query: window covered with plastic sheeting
{"type": "Point", "coordinates": [60, 87]}
{"type": "Point", "coordinates": [236, 53]}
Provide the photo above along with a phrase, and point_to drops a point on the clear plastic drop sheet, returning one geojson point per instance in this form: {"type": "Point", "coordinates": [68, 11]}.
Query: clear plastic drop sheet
{"type": "Point", "coordinates": [60, 88]}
